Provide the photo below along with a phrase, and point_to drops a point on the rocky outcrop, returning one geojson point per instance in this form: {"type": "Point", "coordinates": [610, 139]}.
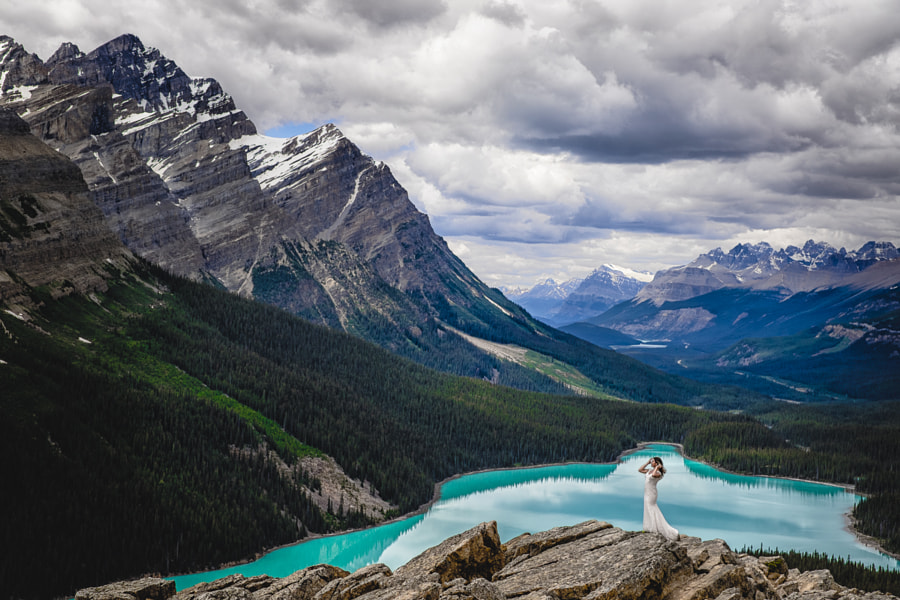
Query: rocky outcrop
{"type": "Point", "coordinates": [591, 560]}
{"type": "Point", "coordinates": [51, 233]}
{"type": "Point", "coordinates": [148, 588]}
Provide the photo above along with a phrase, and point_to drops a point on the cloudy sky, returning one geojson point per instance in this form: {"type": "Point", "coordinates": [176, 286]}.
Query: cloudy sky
{"type": "Point", "coordinates": [545, 138]}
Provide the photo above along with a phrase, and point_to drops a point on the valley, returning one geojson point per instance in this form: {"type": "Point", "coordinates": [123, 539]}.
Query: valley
{"type": "Point", "coordinates": [178, 376]}
{"type": "Point", "coordinates": [815, 324]}
{"type": "Point", "coordinates": [212, 344]}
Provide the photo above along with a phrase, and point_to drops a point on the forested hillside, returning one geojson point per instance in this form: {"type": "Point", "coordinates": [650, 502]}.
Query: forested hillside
{"type": "Point", "coordinates": [121, 414]}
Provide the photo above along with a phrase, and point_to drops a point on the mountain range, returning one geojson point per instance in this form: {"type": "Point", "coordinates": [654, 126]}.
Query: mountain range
{"type": "Point", "coordinates": [786, 322]}
{"type": "Point", "coordinates": [309, 223]}
{"type": "Point", "coordinates": [205, 337]}
{"type": "Point", "coordinates": [312, 225]}
{"type": "Point", "coordinates": [186, 182]}
{"type": "Point", "coordinates": [578, 299]}
{"type": "Point", "coordinates": [787, 271]}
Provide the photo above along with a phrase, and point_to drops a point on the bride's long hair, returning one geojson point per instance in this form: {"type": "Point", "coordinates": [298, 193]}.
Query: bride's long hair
{"type": "Point", "coordinates": [659, 461]}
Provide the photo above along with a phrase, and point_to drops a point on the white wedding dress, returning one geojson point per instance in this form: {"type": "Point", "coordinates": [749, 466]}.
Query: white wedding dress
{"type": "Point", "coordinates": [653, 517]}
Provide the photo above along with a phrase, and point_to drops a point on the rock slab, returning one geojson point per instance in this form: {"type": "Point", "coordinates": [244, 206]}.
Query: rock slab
{"type": "Point", "coordinates": [592, 561]}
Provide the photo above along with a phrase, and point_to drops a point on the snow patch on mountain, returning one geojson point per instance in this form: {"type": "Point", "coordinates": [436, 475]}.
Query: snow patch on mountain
{"type": "Point", "coordinates": [759, 266]}
{"type": "Point", "coordinates": [276, 161]}
{"type": "Point", "coordinates": [580, 299]}
{"type": "Point", "coordinates": [644, 276]}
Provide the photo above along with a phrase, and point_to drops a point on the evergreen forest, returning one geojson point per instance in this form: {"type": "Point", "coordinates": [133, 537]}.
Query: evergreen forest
{"type": "Point", "coordinates": [123, 416]}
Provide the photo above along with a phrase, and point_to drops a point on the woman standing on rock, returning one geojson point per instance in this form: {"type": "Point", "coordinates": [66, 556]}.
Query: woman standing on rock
{"type": "Point", "coordinates": [653, 518]}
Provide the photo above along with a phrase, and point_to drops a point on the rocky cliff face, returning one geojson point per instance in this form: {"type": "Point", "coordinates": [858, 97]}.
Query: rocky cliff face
{"type": "Point", "coordinates": [181, 174]}
{"type": "Point", "coordinates": [592, 560]}
{"type": "Point", "coordinates": [51, 233]}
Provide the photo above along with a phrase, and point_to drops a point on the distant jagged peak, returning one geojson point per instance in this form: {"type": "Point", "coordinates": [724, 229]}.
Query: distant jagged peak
{"type": "Point", "coordinates": [791, 269]}
{"type": "Point", "coordinates": [140, 73]}
{"type": "Point", "coordinates": [876, 251]}
{"type": "Point", "coordinates": [512, 292]}
{"type": "Point", "coordinates": [616, 270]}
{"type": "Point", "coordinates": [19, 70]}
{"type": "Point", "coordinates": [739, 257]}
{"type": "Point", "coordinates": [551, 287]}
{"type": "Point", "coordinates": [813, 255]}
{"type": "Point", "coordinates": [66, 51]}
{"type": "Point", "coordinates": [544, 288]}
{"type": "Point", "coordinates": [545, 282]}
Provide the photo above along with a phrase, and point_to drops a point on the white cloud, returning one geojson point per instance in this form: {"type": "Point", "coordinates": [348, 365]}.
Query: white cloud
{"type": "Point", "coordinates": [545, 138]}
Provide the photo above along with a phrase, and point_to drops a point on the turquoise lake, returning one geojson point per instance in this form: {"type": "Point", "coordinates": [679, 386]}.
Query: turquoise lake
{"type": "Point", "coordinates": [696, 499]}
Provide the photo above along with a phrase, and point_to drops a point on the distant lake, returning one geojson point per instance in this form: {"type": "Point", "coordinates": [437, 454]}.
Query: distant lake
{"type": "Point", "coordinates": [696, 499]}
{"type": "Point", "coordinates": [641, 345]}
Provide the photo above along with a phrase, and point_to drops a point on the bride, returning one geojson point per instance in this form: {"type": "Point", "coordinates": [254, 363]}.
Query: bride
{"type": "Point", "coordinates": [653, 517]}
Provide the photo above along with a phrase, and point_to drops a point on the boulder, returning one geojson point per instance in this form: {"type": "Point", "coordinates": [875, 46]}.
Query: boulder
{"type": "Point", "coordinates": [368, 579]}
{"type": "Point", "coordinates": [148, 588]}
{"type": "Point", "coordinates": [476, 553]}
{"type": "Point", "coordinates": [301, 585]}
{"type": "Point", "coordinates": [608, 563]}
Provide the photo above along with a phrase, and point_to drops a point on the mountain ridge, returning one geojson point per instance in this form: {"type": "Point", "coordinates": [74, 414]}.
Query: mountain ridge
{"type": "Point", "coordinates": [309, 223]}
{"type": "Point", "coordinates": [578, 299]}
{"type": "Point", "coordinates": [759, 266]}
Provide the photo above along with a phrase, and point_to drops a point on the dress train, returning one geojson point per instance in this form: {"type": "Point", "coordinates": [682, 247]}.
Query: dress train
{"type": "Point", "coordinates": [653, 518]}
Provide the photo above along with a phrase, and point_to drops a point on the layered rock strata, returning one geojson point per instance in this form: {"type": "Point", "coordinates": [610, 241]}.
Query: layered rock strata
{"type": "Point", "coordinates": [309, 223]}
{"type": "Point", "coordinates": [52, 235]}
{"type": "Point", "coordinates": [591, 561]}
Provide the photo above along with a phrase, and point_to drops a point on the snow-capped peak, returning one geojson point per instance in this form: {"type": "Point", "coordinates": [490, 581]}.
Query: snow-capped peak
{"type": "Point", "coordinates": [275, 160]}
{"type": "Point", "coordinates": [644, 276]}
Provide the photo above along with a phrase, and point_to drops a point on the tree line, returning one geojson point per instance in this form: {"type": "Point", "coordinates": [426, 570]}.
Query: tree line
{"type": "Point", "coordinates": [120, 453]}
{"type": "Point", "coordinates": [845, 572]}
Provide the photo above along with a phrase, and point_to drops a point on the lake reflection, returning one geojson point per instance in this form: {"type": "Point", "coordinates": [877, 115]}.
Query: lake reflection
{"type": "Point", "coordinates": [695, 498]}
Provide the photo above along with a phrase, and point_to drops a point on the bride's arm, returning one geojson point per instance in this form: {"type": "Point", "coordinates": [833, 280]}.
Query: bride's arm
{"type": "Point", "coordinates": [644, 468]}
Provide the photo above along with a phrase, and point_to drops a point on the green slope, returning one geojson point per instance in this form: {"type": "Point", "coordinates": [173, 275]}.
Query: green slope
{"type": "Point", "coordinates": [121, 414]}
{"type": "Point", "coordinates": [853, 355]}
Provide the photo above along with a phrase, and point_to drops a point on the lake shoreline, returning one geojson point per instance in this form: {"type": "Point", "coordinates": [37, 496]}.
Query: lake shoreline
{"type": "Point", "coordinates": [849, 521]}
{"type": "Point", "coordinates": [865, 540]}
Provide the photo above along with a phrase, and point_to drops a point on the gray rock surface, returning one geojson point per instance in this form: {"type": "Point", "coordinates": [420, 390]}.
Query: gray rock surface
{"type": "Point", "coordinates": [51, 233]}
{"type": "Point", "coordinates": [592, 561]}
{"type": "Point", "coordinates": [148, 588]}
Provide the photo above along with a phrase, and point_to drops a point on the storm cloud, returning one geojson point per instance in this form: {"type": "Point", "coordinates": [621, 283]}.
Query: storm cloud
{"type": "Point", "coordinates": [549, 138]}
